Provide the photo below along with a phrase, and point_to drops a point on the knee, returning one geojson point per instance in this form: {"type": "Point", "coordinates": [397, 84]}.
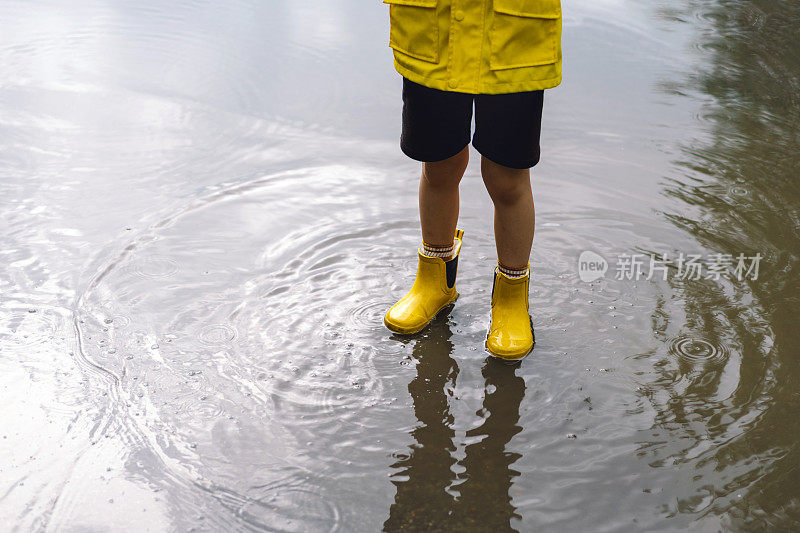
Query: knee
{"type": "Point", "coordinates": [446, 173]}
{"type": "Point", "coordinates": [505, 185]}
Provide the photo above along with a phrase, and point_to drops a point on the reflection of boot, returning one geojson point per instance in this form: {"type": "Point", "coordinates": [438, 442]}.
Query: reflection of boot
{"type": "Point", "coordinates": [511, 331]}
{"type": "Point", "coordinates": [433, 289]}
{"type": "Point", "coordinates": [487, 475]}
{"type": "Point", "coordinates": [424, 472]}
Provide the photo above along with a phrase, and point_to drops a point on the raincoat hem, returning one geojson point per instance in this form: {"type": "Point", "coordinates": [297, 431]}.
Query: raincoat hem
{"type": "Point", "coordinates": [493, 88]}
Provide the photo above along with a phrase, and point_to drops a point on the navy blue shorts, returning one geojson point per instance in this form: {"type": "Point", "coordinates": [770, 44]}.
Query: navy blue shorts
{"type": "Point", "coordinates": [436, 125]}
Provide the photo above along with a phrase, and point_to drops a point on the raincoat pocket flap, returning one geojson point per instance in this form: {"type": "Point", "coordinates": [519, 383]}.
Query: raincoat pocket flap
{"type": "Point", "coordinates": [543, 9]}
{"type": "Point", "coordinates": [414, 28]}
{"type": "Point", "coordinates": [524, 33]}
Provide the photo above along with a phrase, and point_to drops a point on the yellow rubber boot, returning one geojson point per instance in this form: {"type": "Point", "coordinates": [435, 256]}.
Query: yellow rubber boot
{"type": "Point", "coordinates": [433, 289]}
{"type": "Point", "coordinates": [511, 331]}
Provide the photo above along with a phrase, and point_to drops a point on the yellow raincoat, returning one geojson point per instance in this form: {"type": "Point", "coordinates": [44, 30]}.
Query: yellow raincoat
{"type": "Point", "coordinates": [477, 46]}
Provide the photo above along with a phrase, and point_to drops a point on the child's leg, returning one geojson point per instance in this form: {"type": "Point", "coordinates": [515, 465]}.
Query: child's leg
{"type": "Point", "coordinates": [438, 198]}
{"type": "Point", "coordinates": [514, 217]}
{"type": "Point", "coordinates": [436, 130]}
{"type": "Point", "coordinates": [510, 334]}
{"type": "Point", "coordinates": [434, 285]}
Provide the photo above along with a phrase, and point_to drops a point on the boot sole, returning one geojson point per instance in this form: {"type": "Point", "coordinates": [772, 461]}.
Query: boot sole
{"type": "Point", "coordinates": [404, 331]}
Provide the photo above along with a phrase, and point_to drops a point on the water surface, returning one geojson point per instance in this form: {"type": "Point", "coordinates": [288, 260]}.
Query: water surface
{"type": "Point", "coordinates": [205, 214]}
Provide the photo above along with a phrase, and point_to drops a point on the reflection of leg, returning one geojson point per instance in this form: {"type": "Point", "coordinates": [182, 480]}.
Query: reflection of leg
{"type": "Point", "coordinates": [485, 499]}
{"type": "Point", "coordinates": [423, 475]}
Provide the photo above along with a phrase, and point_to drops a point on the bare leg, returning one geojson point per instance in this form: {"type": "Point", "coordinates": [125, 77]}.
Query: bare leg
{"type": "Point", "coordinates": [438, 198]}
{"type": "Point", "coordinates": [514, 216]}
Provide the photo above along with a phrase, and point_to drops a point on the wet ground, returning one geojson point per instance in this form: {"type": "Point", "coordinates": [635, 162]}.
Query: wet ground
{"type": "Point", "coordinates": [204, 214]}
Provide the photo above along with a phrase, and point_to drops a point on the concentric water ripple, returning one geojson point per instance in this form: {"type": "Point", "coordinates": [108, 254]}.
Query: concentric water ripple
{"type": "Point", "coordinates": [698, 351]}
{"type": "Point", "coordinates": [297, 346]}
{"type": "Point", "coordinates": [198, 408]}
{"type": "Point", "coordinates": [118, 321]}
{"type": "Point", "coordinates": [215, 334]}
{"type": "Point", "coordinates": [291, 509]}
{"type": "Point", "coordinates": [282, 507]}
{"type": "Point", "coordinates": [738, 190]}
{"type": "Point", "coordinates": [26, 327]}
{"type": "Point", "coordinates": [155, 267]}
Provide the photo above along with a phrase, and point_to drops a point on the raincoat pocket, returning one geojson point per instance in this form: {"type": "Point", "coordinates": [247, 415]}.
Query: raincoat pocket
{"type": "Point", "coordinates": [524, 33]}
{"type": "Point", "coordinates": [414, 28]}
